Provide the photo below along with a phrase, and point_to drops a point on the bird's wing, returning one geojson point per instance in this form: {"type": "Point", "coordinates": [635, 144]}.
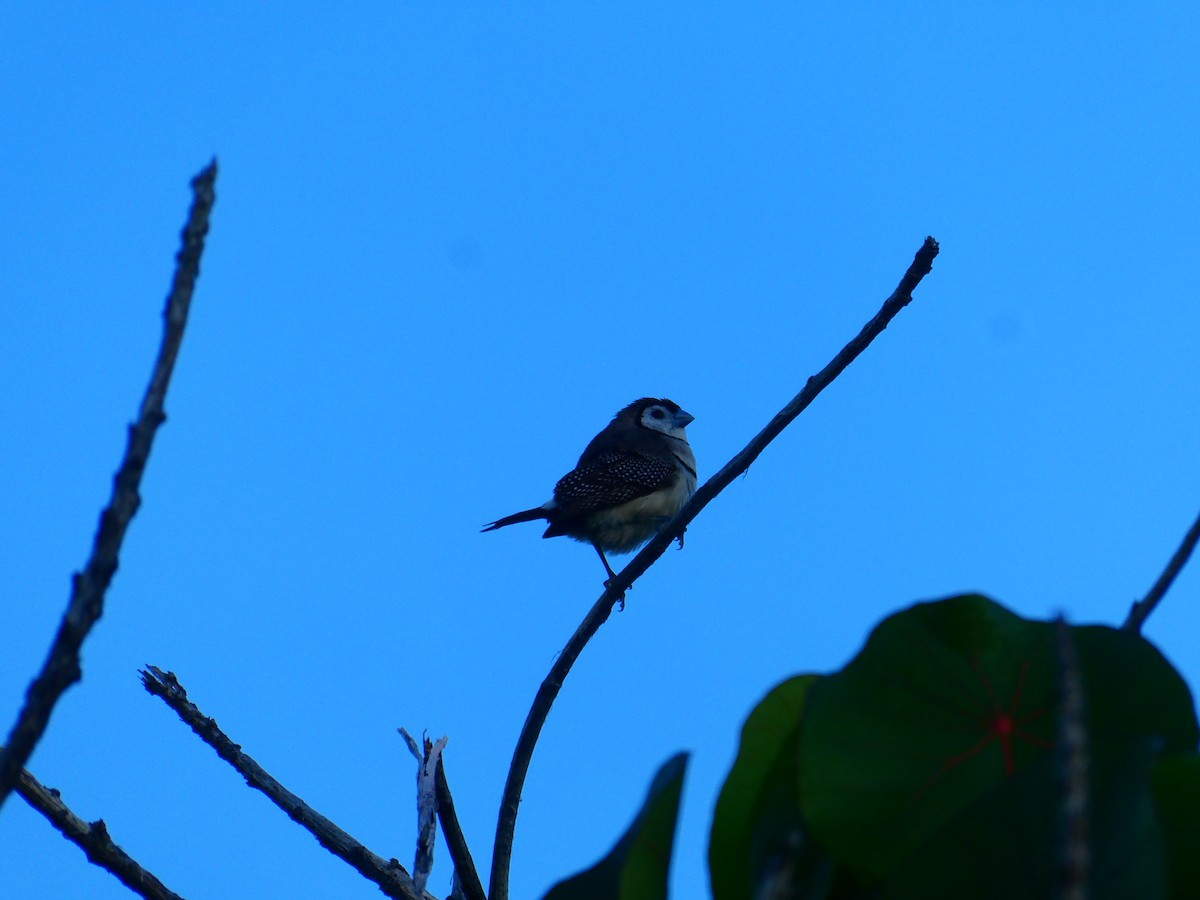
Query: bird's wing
{"type": "Point", "coordinates": [609, 479]}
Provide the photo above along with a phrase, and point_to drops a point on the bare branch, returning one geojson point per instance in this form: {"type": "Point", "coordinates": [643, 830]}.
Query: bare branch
{"type": "Point", "coordinates": [467, 881]}
{"type": "Point", "coordinates": [61, 668]}
{"type": "Point", "coordinates": [92, 838]}
{"type": "Point", "coordinates": [1142, 609]}
{"type": "Point", "coordinates": [391, 877]}
{"type": "Point", "coordinates": [616, 587]}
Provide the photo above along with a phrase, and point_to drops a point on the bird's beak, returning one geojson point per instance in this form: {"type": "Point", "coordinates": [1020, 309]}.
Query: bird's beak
{"type": "Point", "coordinates": [683, 419]}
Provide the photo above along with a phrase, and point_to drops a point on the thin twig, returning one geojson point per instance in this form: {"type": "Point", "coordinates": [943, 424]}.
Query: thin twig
{"type": "Point", "coordinates": [469, 883]}
{"type": "Point", "coordinates": [391, 877]}
{"type": "Point", "coordinates": [615, 590]}
{"type": "Point", "coordinates": [1142, 609]}
{"type": "Point", "coordinates": [62, 668]}
{"type": "Point", "coordinates": [92, 838]}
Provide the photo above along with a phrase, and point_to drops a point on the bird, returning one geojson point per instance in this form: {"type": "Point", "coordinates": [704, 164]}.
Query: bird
{"type": "Point", "coordinates": [632, 478]}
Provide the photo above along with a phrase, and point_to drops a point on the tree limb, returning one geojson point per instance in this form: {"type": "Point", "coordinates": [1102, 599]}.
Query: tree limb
{"type": "Point", "coordinates": [62, 668]}
{"type": "Point", "coordinates": [616, 587]}
{"type": "Point", "coordinates": [391, 877]}
{"type": "Point", "coordinates": [92, 838]}
{"type": "Point", "coordinates": [1141, 610]}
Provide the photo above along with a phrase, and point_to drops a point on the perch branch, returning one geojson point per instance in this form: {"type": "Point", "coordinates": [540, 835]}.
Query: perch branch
{"type": "Point", "coordinates": [391, 877]}
{"type": "Point", "coordinates": [616, 587]}
{"type": "Point", "coordinates": [62, 668]}
{"type": "Point", "coordinates": [1141, 610]}
{"type": "Point", "coordinates": [92, 838]}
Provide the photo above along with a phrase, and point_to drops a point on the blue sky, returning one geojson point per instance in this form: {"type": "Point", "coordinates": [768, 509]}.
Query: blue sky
{"type": "Point", "coordinates": [450, 242]}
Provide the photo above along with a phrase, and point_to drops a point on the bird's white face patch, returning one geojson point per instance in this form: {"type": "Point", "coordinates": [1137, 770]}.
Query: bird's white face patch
{"type": "Point", "coordinates": [659, 418]}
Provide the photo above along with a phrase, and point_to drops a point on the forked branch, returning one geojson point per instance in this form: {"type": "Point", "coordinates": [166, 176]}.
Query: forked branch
{"type": "Point", "coordinates": [469, 885]}
{"type": "Point", "coordinates": [615, 590]}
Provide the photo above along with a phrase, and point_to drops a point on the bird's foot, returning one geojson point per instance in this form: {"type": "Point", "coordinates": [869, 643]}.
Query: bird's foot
{"type": "Point", "coordinates": [664, 521]}
{"type": "Point", "coordinates": [619, 598]}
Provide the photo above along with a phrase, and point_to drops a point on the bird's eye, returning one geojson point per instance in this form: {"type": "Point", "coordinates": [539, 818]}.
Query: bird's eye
{"type": "Point", "coordinates": [658, 413]}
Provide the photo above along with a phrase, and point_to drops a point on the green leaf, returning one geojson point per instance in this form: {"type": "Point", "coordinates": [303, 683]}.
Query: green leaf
{"type": "Point", "coordinates": [637, 867]}
{"type": "Point", "coordinates": [947, 705]}
{"type": "Point", "coordinates": [1177, 794]}
{"type": "Point", "coordinates": [757, 829]}
{"type": "Point", "coordinates": [1007, 843]}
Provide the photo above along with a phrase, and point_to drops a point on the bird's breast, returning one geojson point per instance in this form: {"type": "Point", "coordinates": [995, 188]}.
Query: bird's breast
{"type": "Point", "coordinates": [624, 528]}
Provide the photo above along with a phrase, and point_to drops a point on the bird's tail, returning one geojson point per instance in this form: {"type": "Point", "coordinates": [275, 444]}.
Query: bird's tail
{"type": "Point", "coordinates": [525, 515]}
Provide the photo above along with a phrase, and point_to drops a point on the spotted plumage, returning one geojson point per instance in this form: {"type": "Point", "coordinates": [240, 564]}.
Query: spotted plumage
{"type": "Point", "coordinates": [631, 479]}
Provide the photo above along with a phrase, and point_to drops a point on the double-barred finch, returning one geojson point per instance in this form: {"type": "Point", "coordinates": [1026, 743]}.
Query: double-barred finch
{"type": "Point", "coordinates": [634, 476]}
